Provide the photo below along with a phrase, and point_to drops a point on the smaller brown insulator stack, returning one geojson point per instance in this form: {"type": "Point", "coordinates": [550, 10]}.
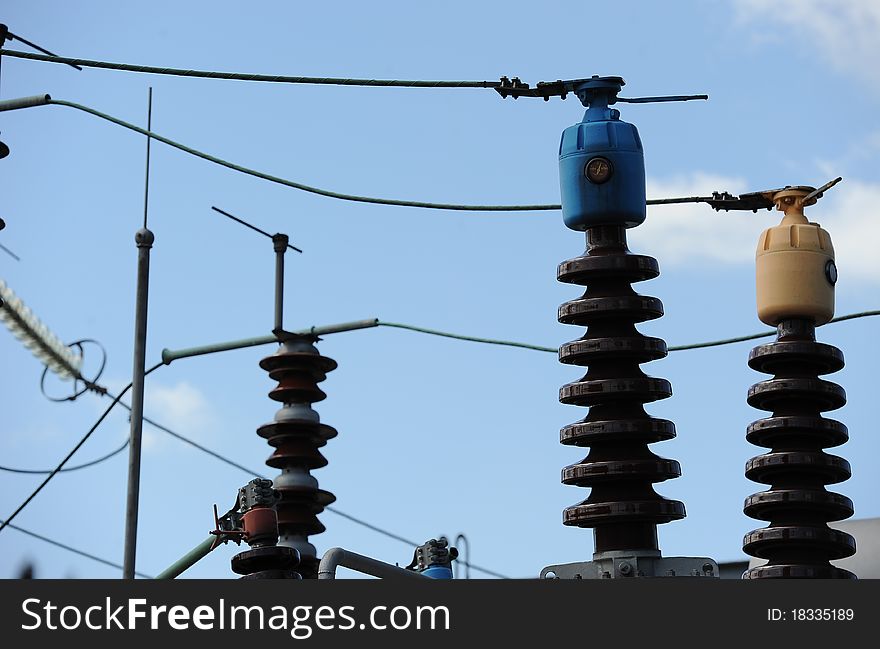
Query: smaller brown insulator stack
{"type": "Point", "coordinates": [797, 543]}
{"type": "Point", "coordinates": [296, 433]}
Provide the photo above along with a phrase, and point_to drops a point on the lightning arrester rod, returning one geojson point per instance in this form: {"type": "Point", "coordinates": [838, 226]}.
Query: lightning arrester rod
{"type": "Point", "coordinates": [144, 241]}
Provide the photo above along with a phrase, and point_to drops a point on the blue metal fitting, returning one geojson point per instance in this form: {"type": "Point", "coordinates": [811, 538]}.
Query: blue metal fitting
{"type": "Point", "coordinates": [433, 559]}
{"type": "Point", "coordinates": [601, 162]}
{"type": "Point", "coordinates": [438, 572]}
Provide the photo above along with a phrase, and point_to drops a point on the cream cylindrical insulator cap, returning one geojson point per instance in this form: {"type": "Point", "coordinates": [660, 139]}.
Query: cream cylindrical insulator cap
{"type": "Point", "coordinates": [795, 268]}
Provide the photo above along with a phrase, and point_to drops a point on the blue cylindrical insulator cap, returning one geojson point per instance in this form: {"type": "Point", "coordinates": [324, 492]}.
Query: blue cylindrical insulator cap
{"type": "Point", "coordinates": [602, 174]}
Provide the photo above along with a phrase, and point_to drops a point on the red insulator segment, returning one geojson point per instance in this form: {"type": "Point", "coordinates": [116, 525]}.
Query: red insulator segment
{"type": "Point", "coordinates": [259, 524]}
{"type": "Point", "coordinates": [623, 508]}
{"type": "Point", "coordinates": [297, 435]}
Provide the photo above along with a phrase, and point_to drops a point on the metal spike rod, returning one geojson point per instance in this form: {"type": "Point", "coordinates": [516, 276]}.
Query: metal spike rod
{"type": "Point", "coordinates": [280, 244]}
{"type": "Point", "coordinates": [144, 239]}
{"type": "Point", "coordinates": [6, 35]}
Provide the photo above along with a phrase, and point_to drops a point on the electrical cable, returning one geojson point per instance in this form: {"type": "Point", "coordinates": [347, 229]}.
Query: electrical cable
{"type": "Point", "coordinates": [241, 76]}
{"type": "Point", "coordinates": [475, 339]}
{"type": "Point", "coordinates": [326, 192]}
{"type": "Point", "coordinates": [70, 548]}
{"type": "Point", "coordinates": [9, 252]}
{"type": "Point", "coordinates": [82, 441]}
{"type": "Point", "coordinates": [86, 465]}
{"type": "Point", "coordinates": [87, 384]}
{"type": "Point", "coordinates": [540, 348]}
{"type": "Point", "coordinates": [728, 341]}
{"type": "Point", "coordinates": [297, 185]}
{"type": "Point", "coordinates": [198, 446]}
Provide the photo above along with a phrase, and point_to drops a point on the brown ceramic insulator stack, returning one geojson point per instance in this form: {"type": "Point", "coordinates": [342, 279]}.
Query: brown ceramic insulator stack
{"type": "Point", "coordinates": [622, 508]}
{"type": "Point", "coordinates": [797, 543]}
{"type": "Point", "coordinates": [297, 435]}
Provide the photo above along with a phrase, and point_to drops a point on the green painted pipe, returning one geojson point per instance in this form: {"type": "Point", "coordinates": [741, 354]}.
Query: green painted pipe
{"type": "Point", "coordinates": [189, 559]}
{"type": "Point", "coordinates": [169, 355]}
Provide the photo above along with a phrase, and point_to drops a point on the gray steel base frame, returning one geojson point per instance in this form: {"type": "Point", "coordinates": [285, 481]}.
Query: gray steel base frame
{"type": "Point", "coordinates": [625, 565]}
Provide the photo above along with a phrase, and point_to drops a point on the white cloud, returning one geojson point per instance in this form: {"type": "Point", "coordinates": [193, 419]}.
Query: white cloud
{"type": "Point", "coordinates": [690, 233]}
{"type": "Point", "coordinates": [851, 213]}
{"type": "Point", "coordinates": [845, 32]}
{"type": "Point", "coordinates": [694, 233]}
{"type": "Point", "coordinates": [181, 407]}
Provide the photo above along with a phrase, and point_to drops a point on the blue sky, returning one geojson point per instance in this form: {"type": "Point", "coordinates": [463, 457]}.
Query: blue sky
{"type": "Point", "coordinates": [435, 436]}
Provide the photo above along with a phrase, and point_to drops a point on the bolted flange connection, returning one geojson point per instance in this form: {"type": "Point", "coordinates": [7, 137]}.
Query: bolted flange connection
{"type": "Point", "coordinates": [296, 433]}
{"type": "Point", "coordinates": [259, 528]}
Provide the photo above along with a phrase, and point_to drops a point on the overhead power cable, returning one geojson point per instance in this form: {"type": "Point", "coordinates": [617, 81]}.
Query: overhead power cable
{"type": "Point", "coordinates": [297, 185]}
{"type": "Point", "coordinates": [475, 339]}
{"type": "Point", "coordinates": [9, 252]}
{"type": "Point", "coordinates": [240, 76]}
{"type": "Point", "coordinates": [541, 348]}
{"type": "Point", "coordinates": [85, 465]}
{"type": "Point", "coordinates": [728, 341]}
{"type": "Point", "coordinates": [70, 548]}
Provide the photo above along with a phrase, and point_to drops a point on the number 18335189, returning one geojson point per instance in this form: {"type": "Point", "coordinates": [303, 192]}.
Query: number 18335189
{"type": "Point", "coordinates": [810, 615]}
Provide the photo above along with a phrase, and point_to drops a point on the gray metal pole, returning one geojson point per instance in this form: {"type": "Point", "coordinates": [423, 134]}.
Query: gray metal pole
{"type": "Point", "coordinates": [24, 102]}
{"type": "Point", "coordinates": [144, 240]}
{"type": "Point", "coordinates": [170, 355]}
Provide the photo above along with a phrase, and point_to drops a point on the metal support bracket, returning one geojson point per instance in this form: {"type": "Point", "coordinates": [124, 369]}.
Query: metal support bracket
{"type": "Point", "coordinates": [626, 565]}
